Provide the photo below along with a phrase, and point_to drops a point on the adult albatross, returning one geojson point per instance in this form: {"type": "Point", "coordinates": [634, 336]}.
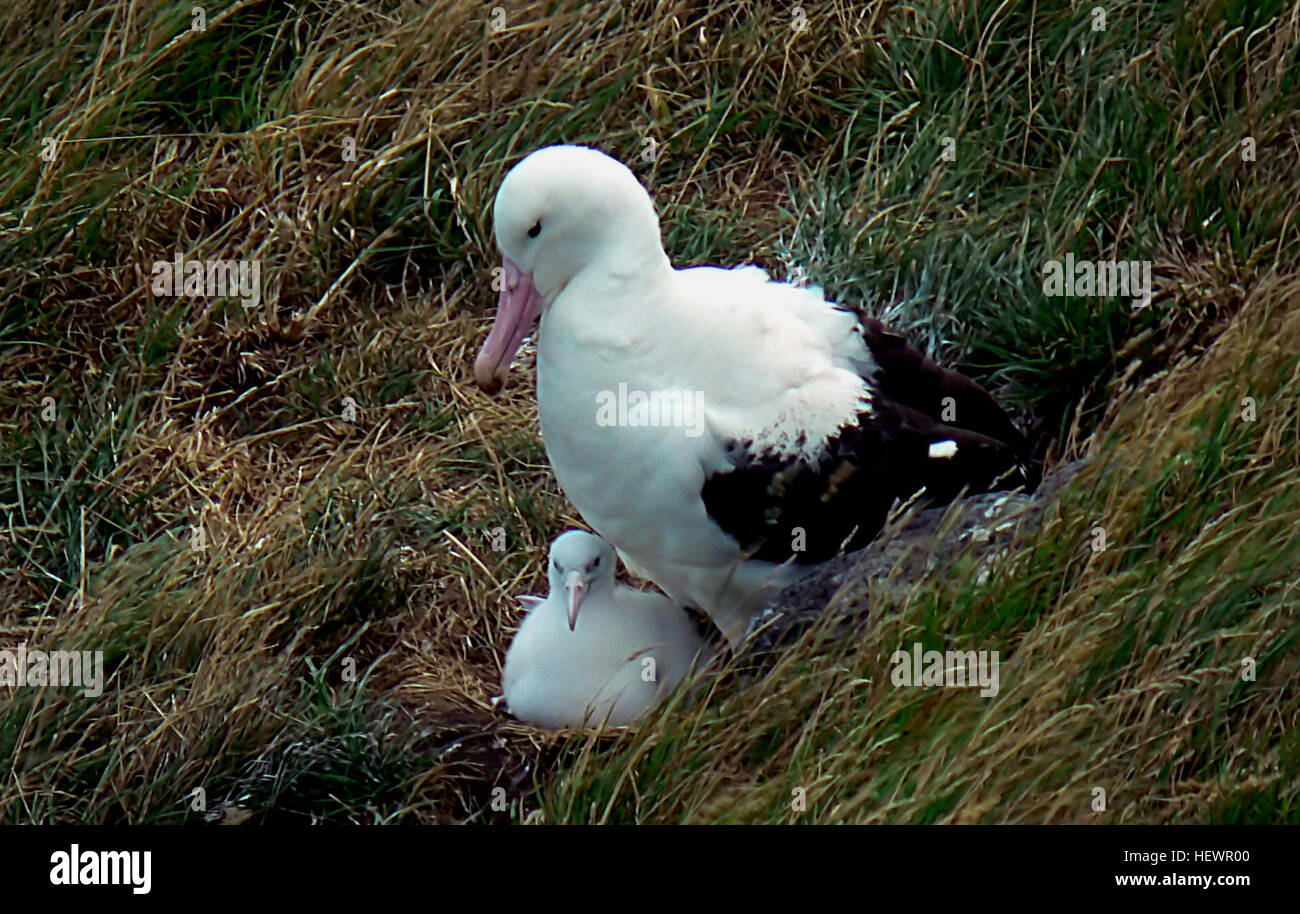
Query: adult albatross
{"type": "Point", "coordinates": [723, 431]}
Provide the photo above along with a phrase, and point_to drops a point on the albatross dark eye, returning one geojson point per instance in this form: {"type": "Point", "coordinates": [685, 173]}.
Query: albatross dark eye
{"type": "Point", "coordinates": [536, 229]}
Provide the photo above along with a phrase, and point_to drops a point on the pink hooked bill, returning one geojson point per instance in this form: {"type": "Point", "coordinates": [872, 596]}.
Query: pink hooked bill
{"type": "Point", "coordinates": [518, 309]}
{"type": "Point", "coordinates": [575, 588]}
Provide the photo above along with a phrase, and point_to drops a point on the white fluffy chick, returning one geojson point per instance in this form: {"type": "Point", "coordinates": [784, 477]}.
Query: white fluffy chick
{"type": "Point", "coordinates": [595, 652]}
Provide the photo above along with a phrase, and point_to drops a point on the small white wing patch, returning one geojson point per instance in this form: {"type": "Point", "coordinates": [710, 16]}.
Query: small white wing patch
{"type": "Point", "coordinates": [943, 450]}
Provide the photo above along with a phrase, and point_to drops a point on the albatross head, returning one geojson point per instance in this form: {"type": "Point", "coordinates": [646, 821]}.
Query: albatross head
{"type": "Point", "coordinates": [581, 564]}
{"type": "Point", "coordinates": [559, 211]}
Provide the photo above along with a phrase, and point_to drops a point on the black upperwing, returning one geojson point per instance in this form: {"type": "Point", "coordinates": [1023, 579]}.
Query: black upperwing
{"type": "Point", "coordinates": [773, 504]}
{"type": "Point", "coordinates": [908, 377]}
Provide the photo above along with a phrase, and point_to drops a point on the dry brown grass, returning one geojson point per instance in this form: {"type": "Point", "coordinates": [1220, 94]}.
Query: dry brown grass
{"type": "Point", "coordinates": [329, 541]}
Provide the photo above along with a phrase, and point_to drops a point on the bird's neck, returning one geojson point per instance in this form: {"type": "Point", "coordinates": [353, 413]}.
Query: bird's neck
{"type": "Point", "coordinates": [614, 305]}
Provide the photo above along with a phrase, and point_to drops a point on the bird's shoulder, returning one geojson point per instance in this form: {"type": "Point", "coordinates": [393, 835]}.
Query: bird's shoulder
{"type": "Point", "coordinates": [754, 304]}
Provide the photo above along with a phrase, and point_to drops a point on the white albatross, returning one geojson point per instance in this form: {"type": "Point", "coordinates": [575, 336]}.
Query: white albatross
{"type": "Point", "coordinates": [723, 431]}
{"type": "Point", "coordinates": [594, 651]}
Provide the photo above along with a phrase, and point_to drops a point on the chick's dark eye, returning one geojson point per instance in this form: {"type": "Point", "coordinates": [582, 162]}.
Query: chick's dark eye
{"type": "Point", "coordinates": [536, 229]}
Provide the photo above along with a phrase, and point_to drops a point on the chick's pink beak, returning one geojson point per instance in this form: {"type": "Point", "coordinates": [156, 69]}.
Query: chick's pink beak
{"type": "Point", "coordinates": [575, 588]}
{"type": "Point", "coordinates": [517, 310]}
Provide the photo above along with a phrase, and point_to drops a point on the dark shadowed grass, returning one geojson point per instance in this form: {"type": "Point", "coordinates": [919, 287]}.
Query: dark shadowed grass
{"type": "Point", "coordinates": [330, 651]}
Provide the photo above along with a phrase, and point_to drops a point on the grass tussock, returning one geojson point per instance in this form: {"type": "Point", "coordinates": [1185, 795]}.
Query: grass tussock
{"type": "Point", "coordinates": [278, 522]}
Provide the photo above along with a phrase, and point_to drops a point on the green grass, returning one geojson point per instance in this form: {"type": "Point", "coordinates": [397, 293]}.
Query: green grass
{"type": "Point", "coordinates": [817, 153]}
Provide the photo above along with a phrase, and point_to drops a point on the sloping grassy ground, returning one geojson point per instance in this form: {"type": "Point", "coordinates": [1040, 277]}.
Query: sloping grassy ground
{"type": "Point", "coordinates": [328, 654]}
